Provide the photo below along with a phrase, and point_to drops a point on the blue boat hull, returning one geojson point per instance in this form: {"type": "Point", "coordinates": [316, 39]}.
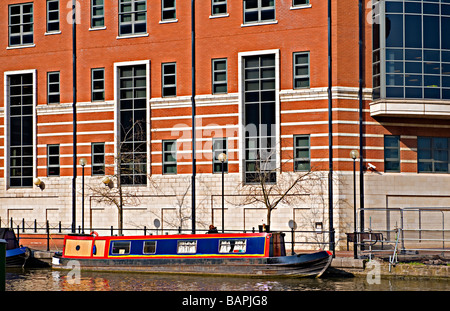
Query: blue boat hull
{"type": "Point", "coordinates": [17, 257]}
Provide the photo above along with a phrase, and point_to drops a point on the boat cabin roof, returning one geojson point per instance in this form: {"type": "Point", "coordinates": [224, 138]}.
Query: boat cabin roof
{"type": "Point", "coordinates": [9, 236]}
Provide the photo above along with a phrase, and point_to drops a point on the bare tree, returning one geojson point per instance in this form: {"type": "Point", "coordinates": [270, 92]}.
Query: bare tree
{"type": "Point", "coordinates": [129, 162]}
{"type": "Point", "coordinates": [182, 201]}
{"type": "Point", "coordinates": [269, 186]}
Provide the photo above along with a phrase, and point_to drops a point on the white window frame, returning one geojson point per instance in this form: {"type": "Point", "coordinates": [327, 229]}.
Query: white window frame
{"type": "Point", "coordinates": [7, 129]}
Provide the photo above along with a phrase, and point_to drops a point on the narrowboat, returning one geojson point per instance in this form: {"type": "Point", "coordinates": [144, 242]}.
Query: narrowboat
{"type": "Point", "coordinates": [249, 254]}
{"type": "Point", "coordinates": [16, 255]}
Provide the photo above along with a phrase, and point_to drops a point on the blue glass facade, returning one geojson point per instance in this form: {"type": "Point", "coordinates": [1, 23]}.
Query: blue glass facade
{"type": "Point", "coordinates": [411, 49]}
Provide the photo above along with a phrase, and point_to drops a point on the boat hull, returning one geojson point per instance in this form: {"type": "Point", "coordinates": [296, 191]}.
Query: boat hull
{"type": "Point", "coordinates": [17, 257]}
{"type": "Point", "coordinates": [306, 265]}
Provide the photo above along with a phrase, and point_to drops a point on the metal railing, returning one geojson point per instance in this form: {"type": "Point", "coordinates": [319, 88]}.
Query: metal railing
{"type": "Point", "coordinates": [408, 230]}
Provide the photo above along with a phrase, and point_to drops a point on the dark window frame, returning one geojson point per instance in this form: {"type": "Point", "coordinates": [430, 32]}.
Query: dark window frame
{"type": "Point", "coordinates": [388, 161]}
{"type": "Point", "coordinates": [302, 160]}
{"type": "Point", "coordinates": [97, 167]}
{"type": "Point", "coordinates": [217, 165]}
{"type": "Point", "coordinates": [169, 164]}
{"type": "Point", "coordinates": [21, 24]}
{"type": "Point", "coordinates": [219, 86]}
{"type": "Point", "coordinates": [53, 168]}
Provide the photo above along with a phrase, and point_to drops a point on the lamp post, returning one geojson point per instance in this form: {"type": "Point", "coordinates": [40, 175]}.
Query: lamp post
{"type": "Point", "coordinates": [83, 164]}
{"type": "Point", "coordinates": [354, 154]}
{"type": "Point", "coordinates": [223, 158]}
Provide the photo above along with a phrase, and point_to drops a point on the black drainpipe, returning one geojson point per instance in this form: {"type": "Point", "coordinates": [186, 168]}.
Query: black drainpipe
{"type": "Point", "coordinates": [74, 106]}
{"type": "Point", "coordinates": [193, 112]}
{"type": "Point", "coordinates": [330, 134]}
{"type": "Point", "coordinates": [361, 140]}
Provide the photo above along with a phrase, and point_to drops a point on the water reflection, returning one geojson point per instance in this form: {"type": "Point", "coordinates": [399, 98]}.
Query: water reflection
{"type": "Point", "coordinates": [51, 280]}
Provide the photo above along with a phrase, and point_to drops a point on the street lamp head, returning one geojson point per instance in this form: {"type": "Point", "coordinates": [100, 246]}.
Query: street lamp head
{"type": "Point", "coordinates": [39, 183]}
{"type": "Point", "coordinates": [83, 161]}
{"type": "Point", "coordinates": [222, 157]}
{"type": "Point", "coordinates": [106, 180]}
{"type": "Point", "coordinates": [354, 154]}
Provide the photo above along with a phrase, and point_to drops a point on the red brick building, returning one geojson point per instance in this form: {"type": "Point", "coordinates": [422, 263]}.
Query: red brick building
{"type": "Point", "coordinates": [261, 80]}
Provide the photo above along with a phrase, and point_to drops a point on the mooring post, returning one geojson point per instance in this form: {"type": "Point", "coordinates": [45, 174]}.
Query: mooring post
{"type": "Point", "coordinates": [2, 265]}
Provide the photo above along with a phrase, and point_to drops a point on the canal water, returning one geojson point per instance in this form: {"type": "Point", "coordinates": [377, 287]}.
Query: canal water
{"type": "Point", "coordinates": [46, 279]}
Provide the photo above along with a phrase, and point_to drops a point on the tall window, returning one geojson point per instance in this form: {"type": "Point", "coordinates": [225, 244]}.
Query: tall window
{"type": "Point", "coordinates": [219, 146]}
{"type": "Point", "coordinates": [168, 10]}
{"type": "Point", "coordinates": [391, 153]}
{"type": "Point", "coordinates": [257, 11]}
{"type": "Point", "coordinates": [218, 7]}
{"type": "Point", "coordinates": [98, 159]}
{"type": "Point", "coordinates": [433, 154]}
{"type": "Point", "coordinates": [97, 13]}
{"type": "Point", "coordinates": [98, 84]}
{"type": "Point", "coordinates": [52, 15]}
{"type": "Point", "coordinates": [302, 157]}
{"type": "Point", "coordinates": [301, 70]}
{"type": "Point", "coordinates": [259, 117]}
{"type": "Point", "coordinates": [53, 165]}
{"type": "Point", "coordinates": [219, 76]}
{"type": "Point", "coordinates": [132, 17]}
{"type": "Point", "coordinates": [53, 89]}
{"type": "Point", "coordinates": [20, 99]}
{"type": "Point", "coordinates": [133, 119]}
{"type": "Point", "coordinates": [20, 24]}
{"type": "Point", "coordinates": [169, 157]}
{"type": "Point", "coordinates": [169, 79]}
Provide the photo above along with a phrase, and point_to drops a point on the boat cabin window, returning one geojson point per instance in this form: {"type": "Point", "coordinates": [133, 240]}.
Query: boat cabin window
{"type": "Point", "coordinates": [149, 247]}
{"type": "Point", "coordinates": [120, 248]}
{"type": "Point", "coordinates": [187, 247]}
{"type": "Point", "coordinates": [232, 246]}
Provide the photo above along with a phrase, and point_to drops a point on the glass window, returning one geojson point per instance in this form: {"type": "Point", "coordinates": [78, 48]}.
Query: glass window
{"type": "Point", "coordinates": [413, 35]}
{"type": "Point", "coordinates": [433, 154]}
{"type": "Point", "coordinates": [219, 76]}
{"type": "Point", "coordinates": [98, 158]}
{"type": "Point", "coordinates": [20, 24]}
{"type": "Point", "coordinates": [120, 248]}
{"type": "Point", "coordinates": [259, 118]}
{"type": "Point", "coordinates": [394, 30]}
{"type": "Point", "coordinates": [232, 246]}
{"type": "Point", "coordinates": [301, 70]}
{"type": "Point", "coordinates": [169, 157]}
{"type": "Point", "coordinates": [169, 79]}
{"type": "Point", "coordinates": [149, 247]}
{"type": "Point", "coordinates": [98, 84]}
{"type": "Point", "coordinates": [20, 98]}
{"type": "Point", "coordinates": [53, 89]}
{"type": "Point", "coordinates": [391, 153]}
{"type": "Point", "coordinates": [416, 35]}
{"type": "Point", "coordinates": [257, 11]}
{"type": "Point", "coordinates": [187, 247]}
{"type": "Point", "coordinates": [218, 7]}
{"type": "Point", "coordinates": [302, 157]}
{"type": "Point", "coordinates": [97, 14]}
{"type": "Point", "coordinates": [132, 17]}
{"type": "Point", "coordinates": [299, 2]}
{"type": "Point", "coordinates": [133, 124]}
{"type": "Point", "coordinates": [219, 146]}
{"type": "Point", "coordinates": [53, 166]}
{"type": "Point", "coordinates": [52, 15]}
{"type": "Point", "coordinates": [168, 10]}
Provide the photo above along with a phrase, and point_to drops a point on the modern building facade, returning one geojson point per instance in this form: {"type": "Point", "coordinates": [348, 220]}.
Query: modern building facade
{"type": "Point", "coordinates": [253, 74]}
